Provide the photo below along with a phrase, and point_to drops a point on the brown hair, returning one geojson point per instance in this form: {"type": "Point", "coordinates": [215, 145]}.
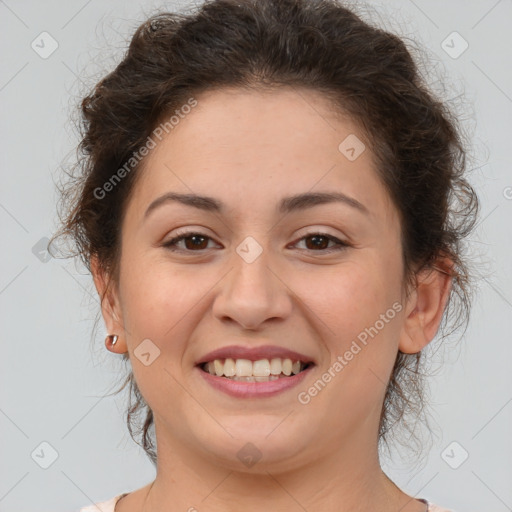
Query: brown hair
{"type": "Point", "coordinates": [366, 72]}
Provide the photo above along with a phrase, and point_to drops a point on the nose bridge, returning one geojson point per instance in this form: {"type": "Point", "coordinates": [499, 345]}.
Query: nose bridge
{"type": "Point", "coordinates": [251, 292]}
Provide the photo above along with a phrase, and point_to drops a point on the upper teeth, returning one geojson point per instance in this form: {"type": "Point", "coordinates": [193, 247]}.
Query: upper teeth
{"type": "Point", "coordinates": [246, 368]}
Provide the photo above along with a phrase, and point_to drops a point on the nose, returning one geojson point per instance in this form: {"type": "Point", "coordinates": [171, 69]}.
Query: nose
{"type": "Point", "coordinates": [252, 294]}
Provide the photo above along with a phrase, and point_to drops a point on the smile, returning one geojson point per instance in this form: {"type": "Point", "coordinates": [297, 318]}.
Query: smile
{"type": "Point", "coordinates": [262, 370]}
{"type": "Point", "coordinates": [243, 378]}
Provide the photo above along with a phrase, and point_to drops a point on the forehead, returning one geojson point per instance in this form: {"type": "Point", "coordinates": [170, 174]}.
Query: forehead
{"type": "Point", "coordinates": [286, 124]}
{"type": "Point", "coordinates": [249, 146]}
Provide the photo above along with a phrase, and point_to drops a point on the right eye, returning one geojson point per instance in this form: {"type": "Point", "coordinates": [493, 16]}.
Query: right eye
{"type": "Point", "coordinates": [193, 242]}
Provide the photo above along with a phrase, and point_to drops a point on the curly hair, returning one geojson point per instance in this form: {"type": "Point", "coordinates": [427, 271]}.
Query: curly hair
{"type": "Point", "coordinates": [367, 73]}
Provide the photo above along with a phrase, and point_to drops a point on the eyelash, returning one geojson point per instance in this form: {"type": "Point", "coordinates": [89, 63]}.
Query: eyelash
{"type": "Point", "coordinates": [171, 244]}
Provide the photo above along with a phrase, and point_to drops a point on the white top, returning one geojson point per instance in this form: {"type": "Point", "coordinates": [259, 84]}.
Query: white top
{"type": "Point", "coordinates": [109, 505]}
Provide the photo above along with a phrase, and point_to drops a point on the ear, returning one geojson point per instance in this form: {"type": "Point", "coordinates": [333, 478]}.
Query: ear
{"type": "Point", "coordinates": [425, 307]}
{"type": "Point", "coordinates": [110, 306]}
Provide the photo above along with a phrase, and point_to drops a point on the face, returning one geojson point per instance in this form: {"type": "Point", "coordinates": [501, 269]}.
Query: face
{"type": "Point", "coordinates": [262, 277]}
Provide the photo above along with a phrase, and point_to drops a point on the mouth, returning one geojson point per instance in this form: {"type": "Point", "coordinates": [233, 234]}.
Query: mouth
{"type": "Point", "coordinates": [254, 372]}
{"type": "Point", "coordinates": [261, 370]}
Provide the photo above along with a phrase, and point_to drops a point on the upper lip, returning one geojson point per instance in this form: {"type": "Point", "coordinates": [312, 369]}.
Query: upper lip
{"type": "Point", "coordinates": [254, 354]}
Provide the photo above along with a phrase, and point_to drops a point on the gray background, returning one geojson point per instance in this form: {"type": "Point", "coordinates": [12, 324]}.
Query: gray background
{"type": "Point", "coordinates": [54, 380]}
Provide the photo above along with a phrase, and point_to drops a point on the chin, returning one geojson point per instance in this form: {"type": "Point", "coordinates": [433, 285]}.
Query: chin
{"type": "Point", "coordinates": [258, 444]}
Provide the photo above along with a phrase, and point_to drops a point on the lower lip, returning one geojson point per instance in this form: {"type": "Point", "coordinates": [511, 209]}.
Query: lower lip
{"type": "Point", "coordinates": [241, 389]}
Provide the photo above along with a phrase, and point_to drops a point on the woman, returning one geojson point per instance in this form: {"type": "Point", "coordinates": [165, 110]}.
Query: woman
{"type": "Point", "coordinates": [272, 206]}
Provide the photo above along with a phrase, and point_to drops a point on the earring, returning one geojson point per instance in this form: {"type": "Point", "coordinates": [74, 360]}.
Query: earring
{"type": "Point", "coordinates": [111, 339]}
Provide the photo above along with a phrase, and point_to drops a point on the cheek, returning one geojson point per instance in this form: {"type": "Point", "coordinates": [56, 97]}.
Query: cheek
{"type": "Point", "coordinates": [355, 316]}
{"type": "Point", "coordinates": [156, 297]}
{"type": "Point", "coordinates": [159, 303]}
{"type": "Point", "coordinates": [348, 299]}
{"type": "Point", "coordinates": [357, 304]}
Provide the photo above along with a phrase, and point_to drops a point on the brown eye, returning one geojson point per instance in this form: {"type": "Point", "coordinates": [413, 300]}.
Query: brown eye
{"type": "Point", "coordinates": [196, 242]}
{"type": "Point", "coordinates": [193, 242]}
{"type": "Point", "coordinates": [319, 242]}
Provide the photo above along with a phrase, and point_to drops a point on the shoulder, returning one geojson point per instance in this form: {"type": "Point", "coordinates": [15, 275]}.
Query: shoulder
{"type": "Point", "coordinates": [435, 508]}
{"type": "Point", "coordinates": [103, 506]}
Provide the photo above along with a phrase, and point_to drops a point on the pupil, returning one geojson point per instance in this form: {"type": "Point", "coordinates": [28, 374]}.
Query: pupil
{"type": "Point", "coordinates": [319, 245]}
{"type": "Point", "coordinates": [196, 243]}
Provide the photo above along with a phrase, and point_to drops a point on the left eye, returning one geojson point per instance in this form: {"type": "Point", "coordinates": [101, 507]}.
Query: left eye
{"type": "Point", "coordinates": [195, 242]}
{"type": "Point", "coordinates": [322, 240]}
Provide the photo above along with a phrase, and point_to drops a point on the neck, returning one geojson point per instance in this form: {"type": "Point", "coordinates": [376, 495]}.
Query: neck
{"type": "Point", "coordinates": [349, 478]}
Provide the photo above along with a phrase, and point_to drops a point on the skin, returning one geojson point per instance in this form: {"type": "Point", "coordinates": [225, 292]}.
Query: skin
{"type": "Point", "coordinates": [249, 150]}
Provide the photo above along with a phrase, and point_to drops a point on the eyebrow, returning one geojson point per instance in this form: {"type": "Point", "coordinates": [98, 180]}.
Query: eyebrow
{"type": "Point", "coordinates": [287, 204]}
